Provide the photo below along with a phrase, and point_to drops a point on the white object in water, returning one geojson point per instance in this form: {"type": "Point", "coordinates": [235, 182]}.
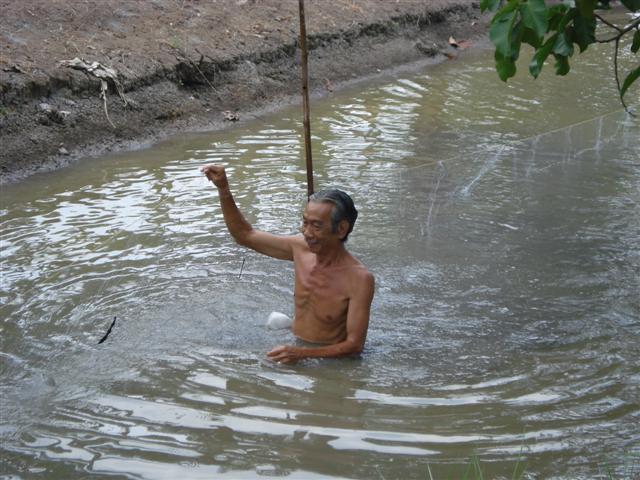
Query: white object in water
{"type": "Point", "coordinates": [278, 320]}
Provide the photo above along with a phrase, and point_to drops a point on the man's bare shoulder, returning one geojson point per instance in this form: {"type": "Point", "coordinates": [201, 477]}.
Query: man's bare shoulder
{"type": "Point", "coordinates": [298, 243]}
{"type": "Point", "coordinates": [361, 282]}
{"type": "Point", "coordinates": [358, 271]}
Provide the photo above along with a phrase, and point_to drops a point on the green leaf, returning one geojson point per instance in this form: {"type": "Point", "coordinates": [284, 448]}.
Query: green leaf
{"type": "Point", "coordinates": [632, 77]}
{"type": "Point", "coordinates": [505, 66]}
{"type": "Point", "coordinates": [635, 46]}
{"type": "Point", "coordinates": [516, 40]}
{"type": "Point", "coordinates": [584, 31]}
{"type": "Point", "coordinates": [529, 37]}
{"type": "Point", "coordinates": [563, 46]}
{"type": "Point", "coordinates": [633, 5]}
{"type": "Point", "coordinates": [566, 19]}
{"type": "Point", "coordinates": [586, 7]}
{"type": "Point", "coordinates": [556, 15]}
{"type": "Point", "coordinates": [501, 29]}
{"type": "Point", "coordinates": [491, 5]}
{"type": "Point", "coordinates": [535, 16]}
{"type": "Point", "coordinates": [535, 67]}
{"type": "Point", "coordinates": [562, 65]}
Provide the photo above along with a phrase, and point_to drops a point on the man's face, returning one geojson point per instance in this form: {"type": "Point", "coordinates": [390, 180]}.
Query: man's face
{"type": "Point", "coordinates": [316, 226]}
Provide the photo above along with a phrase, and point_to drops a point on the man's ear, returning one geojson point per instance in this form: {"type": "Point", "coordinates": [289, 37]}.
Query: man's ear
{"type": "Point", "coordinates": [343, 229]}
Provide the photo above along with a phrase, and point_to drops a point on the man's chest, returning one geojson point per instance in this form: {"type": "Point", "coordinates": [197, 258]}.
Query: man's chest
{"type": "Point", "coordinates": [324, 290]}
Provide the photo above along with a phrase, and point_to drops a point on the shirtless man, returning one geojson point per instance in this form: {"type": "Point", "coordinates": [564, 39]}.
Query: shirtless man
{"type": "Point", "coordinates": [333, 290]}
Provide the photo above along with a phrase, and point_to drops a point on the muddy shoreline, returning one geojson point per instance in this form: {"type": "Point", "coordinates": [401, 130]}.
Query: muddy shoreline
{"type": "Point", "coordinates": [184, 66]}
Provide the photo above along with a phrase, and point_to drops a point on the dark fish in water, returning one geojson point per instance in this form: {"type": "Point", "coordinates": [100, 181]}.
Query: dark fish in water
{"type": "Point", "coordinates": [108, 331]}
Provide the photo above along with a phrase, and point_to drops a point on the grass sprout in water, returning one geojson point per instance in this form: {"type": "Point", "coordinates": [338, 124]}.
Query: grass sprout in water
{"type": "Point", "coordinates": [473, 470]}
{"type": "Point", "coordinates": [630, 469]}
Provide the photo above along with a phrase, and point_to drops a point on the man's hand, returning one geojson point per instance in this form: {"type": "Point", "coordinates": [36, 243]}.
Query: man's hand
{"type": "Point", "coordinates": [285, 354]}
{"type": "Point", "coordinates": [216, 174]}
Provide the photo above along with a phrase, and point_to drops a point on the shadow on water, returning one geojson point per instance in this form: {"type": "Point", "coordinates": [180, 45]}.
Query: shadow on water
{"type": "Point", "coordinates": [501, 225]}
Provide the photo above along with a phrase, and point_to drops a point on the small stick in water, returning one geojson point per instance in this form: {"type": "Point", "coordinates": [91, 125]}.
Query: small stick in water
{"type": "Point", "coordinates": [108, 331]}
{"type": "Point", "coordinates": [241, 267]}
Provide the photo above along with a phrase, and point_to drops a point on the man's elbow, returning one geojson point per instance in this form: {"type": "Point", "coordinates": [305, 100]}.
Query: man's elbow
{"type": "Point", "coordinates": [242, 237]}
{"type": "Point", "coordinates": [353, 347]}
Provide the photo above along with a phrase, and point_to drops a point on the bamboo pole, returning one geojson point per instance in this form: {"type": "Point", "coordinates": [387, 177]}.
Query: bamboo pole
{"type": "Point", "coordinates": [305, 99]}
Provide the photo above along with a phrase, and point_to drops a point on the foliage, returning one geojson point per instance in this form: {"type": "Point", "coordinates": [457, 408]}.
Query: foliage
{"type": "Point", "coordinates": [556, 30]}
{"type": "Point", "coordinates": [473, 469]}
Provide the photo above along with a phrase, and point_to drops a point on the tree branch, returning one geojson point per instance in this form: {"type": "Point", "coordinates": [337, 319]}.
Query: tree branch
{"type": "Point", "coordinates": [621, 31]}
{"type": "Point", "coordinates": [617, 74]}
{"type": "Point", "coordinates": [608, 23]}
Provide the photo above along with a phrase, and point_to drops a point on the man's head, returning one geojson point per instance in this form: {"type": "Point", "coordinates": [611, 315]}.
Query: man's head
{"type": "Point", "coordinates": [343, 209]}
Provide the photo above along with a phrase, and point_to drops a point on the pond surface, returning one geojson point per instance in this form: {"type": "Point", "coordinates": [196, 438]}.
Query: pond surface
{"type": "Point", "coordinates": [501, 223]}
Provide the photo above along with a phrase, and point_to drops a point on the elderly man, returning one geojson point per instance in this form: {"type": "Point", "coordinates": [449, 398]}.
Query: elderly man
{"type": "Point", "coordinates": [333, 290]}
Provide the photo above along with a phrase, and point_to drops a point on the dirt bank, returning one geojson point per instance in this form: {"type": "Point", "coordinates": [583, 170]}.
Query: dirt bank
{"type": "Point", "coordinates": [177, 65]}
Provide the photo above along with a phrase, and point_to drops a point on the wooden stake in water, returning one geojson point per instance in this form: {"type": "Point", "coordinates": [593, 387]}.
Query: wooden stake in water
{"type": "Point", "coordinates": [305, 99]}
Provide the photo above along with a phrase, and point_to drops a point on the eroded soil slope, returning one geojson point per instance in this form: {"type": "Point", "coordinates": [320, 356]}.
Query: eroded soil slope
{"type": "Point", "coordinates": [181, 63]}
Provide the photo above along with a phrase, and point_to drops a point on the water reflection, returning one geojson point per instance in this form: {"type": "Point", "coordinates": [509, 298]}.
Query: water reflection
{"type": "Point", "coordinates": [502, 228]}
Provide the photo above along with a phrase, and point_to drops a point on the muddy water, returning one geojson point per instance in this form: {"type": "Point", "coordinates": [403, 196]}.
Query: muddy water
{"type": "Point", "coordinates": [502, 226]}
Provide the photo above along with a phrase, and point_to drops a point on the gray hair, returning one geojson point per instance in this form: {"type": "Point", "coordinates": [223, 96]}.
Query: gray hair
{"type": "Point", "coordinates": [343, 208]}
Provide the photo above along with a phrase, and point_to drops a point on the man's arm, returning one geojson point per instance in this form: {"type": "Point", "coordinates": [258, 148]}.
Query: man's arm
{"type": "Point", "coordinates": [272, 245]}
{"type": "Point", "coordinates": [357, 325]}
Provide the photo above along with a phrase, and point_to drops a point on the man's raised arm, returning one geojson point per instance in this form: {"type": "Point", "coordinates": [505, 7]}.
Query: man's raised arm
{"type": "Point", "coordinates": [243, 233]}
